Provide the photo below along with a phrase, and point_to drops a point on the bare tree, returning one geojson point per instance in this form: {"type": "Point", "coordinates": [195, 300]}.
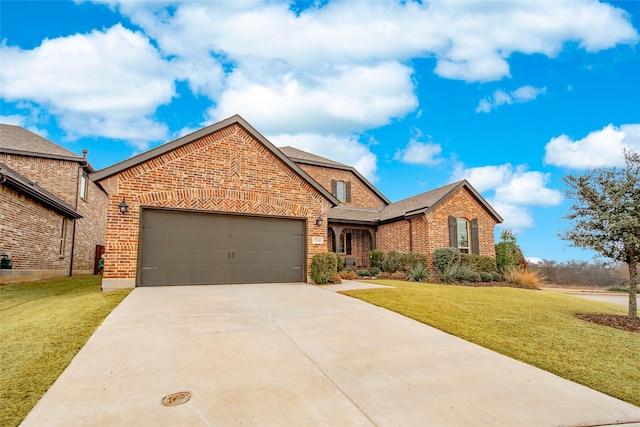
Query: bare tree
{"type": "Point", "coordinates": [606, 216]}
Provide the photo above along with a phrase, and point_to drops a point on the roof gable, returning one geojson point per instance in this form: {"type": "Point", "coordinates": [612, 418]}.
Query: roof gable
{"type": "Point", "coordinates": [187, 139]}
{"type": "Point", "coordinates": [17, 140]}
{"type": "Point", "coordinates": [419, 204]}
{"type": "Point", "coordinates": [303, 157]}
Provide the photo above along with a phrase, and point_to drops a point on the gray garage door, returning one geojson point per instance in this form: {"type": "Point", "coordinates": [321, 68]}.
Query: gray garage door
{"type": "Point", "coordinates": [180, 248]}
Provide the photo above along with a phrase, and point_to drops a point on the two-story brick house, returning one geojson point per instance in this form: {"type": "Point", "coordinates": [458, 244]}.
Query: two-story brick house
{"type": "Point", "coordinates": [224, 205]}
{"type": "Point", "coordinates": [52, 216]}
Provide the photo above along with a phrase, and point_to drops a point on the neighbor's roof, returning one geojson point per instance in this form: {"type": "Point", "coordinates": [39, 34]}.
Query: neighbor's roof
{"type": "Point", "coordinates": [306, 158]}
{"type": "Point", "coordinates": [14, 180]}
{"type": "Point", "coordinates": [172, 145]}
{"type": "Point", "coordinates": [419, 204]}
{"type": "Point", "coordinates": [17, 140]}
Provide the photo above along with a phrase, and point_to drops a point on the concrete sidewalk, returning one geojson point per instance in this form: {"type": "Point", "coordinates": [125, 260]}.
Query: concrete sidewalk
{"type": "Point", "coordinates": [293, 354]}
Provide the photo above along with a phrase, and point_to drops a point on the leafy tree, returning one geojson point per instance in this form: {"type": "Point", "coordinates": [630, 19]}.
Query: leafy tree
{"type": "Point", "coordinates": [508, 253]}
{"type": "Point", "coordinates": [606, 215]}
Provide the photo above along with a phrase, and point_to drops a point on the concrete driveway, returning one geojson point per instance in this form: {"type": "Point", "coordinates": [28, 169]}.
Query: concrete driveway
{"type": "Point", "coordinates": [293, 354]}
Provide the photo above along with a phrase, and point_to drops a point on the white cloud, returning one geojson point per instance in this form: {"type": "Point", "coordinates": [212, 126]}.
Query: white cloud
{"type": "Point", "coordinates": [513, 190]}
{"type": "Point", "coordinates": [599, 148]}
{"type": "Point", "coordinates": [343, 149]}
{"type": "Point", "coordinates": [419, 153]}
{"type": "Point", "coordinates": [13, 119]}
{"type": "Point", "coordinates": [500, 97]}
{"type": "Point", "coordinates": [342, 99]}
{"type": "Point", "coordinates": [91, 80]}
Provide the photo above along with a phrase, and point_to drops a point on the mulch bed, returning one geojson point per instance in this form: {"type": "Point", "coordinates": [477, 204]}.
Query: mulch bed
{"type": "Point", "coordinates": [612, 320]}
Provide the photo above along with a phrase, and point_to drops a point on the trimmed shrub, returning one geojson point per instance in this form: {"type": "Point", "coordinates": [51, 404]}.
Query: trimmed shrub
{"type": "Point", "coordinates": [485, 277]}
{"type": "Point", "coordinates": [375, 271]}
{"type": "Point", "coordinates": [414, 258]}
{"type": "Point", "coordinates": [324, 267]}
{"type": "Point", "coordinates": [475, 277]}
{"type": "Point", "coordinates": [383, 275]}
{"type": "Point", "coordinates": [337, 279]}
{"type": "Point", "coordinates": [497, 277]}
{"type": "Point", "coordinates": [375, 257]}
{"type": "Point", "coordinates": [468, 259]}
{"type": "Point", "coordinates": [418, 273]}
{"type": "Point", "coordinates": [394, 261]}
{"type": "Point", "coordinates": [340, 264]}
{"type": "Point", "coordinates": [485, 263]}
{"type": "Point", "coordinates": [363, 273]}
{"type": "Point", "coordinates": [398, 275]}
{"type": "Point", "coordinates": [464, 274]}
{"type": "Point", "coordinates": [444, 258]}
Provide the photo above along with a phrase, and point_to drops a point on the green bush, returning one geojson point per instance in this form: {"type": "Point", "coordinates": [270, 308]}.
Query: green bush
{"type": "Point", "coordinates": [340, 264]}
{"type": "Point", "coordinates": [375, 257]}
{"type": "Point", "coordinates": [497, 277]}
{"type": "Point", "coordinates": [414, 258]}
{"type": "Point", "coordinates": [324, 267]}
{"type": "Point", "coordinates": [486, 277]}
{"type": "Point", "coordinates": [418, 273]}
{"type": "Point", "coordinates": [363, 273]}
{"type": "Point", "coordinates": [374, 271]}
{"type": "Point", "coordinates": [475, 277]}
{"type": "Point", "coordinates": [464, 274]}
{"type": "Point", "coordinates": [394, 261]}
{"type": "Point", "coordinates": [478, 262]}
{"type": "Point", "coordinates": [445, 258]}
{"type": "Point", "coordinates": [448, 275]}
{"type": "Point", "coordinates": [485, 263]}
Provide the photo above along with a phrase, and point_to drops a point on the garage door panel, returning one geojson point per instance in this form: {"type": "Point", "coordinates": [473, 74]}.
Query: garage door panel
{"type": "Point", "coordinates": [179, 248]}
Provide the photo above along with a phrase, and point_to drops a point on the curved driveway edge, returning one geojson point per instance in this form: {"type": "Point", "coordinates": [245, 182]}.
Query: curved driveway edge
{"type": "Point", "coordinates": [294, 354]}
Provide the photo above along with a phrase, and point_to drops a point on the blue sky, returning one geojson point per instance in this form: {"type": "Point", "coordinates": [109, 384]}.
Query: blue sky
{"type": "Point", "coordinates": [509, 95]}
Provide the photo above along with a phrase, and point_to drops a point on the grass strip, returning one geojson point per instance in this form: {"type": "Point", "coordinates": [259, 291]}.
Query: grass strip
{"type": "Point", "coordinates": [535, 327]}
{"type": "Point", "coordinates": [42, 326]}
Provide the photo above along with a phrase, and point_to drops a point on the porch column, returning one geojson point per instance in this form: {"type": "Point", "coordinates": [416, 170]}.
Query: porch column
{"type": "Point", "coordinates": [337, 231]}
{"type": "Point", "coordinates": [373, 238]}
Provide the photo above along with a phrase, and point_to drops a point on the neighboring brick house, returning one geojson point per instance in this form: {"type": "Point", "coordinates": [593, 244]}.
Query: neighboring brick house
{"type": "Point", "coordinates": [223, 205]}
{"type": "Point", "coordinates": [455, 215]}
{"type": "Point", "coordinates": [52, 216]}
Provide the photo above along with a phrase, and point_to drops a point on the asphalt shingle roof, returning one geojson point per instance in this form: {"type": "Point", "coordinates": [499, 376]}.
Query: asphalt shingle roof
{"type": "Point", "coordinates": [14, 139]}
{"type": "Point", "coordinates": [295, 154]}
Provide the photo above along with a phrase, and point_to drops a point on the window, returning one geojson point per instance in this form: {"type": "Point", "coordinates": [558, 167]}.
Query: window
{"type": "Point", "coordinates": [84, 181]}
{"type": "Point", "coordinates": [462, 226]}
{"type": "Point", "coordinates": [464, 235]}
{"type": "Point", "coordinates": [342, 190]}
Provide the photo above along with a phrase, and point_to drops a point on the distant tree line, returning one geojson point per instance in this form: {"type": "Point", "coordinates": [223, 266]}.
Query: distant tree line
{"type": "Point", "coordinates": [582, 273]}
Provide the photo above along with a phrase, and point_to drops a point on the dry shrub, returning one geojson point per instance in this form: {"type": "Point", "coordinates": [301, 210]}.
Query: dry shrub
{"type": "Point", "coordinates": [348, 275]}
{"type": "Point", "coordinates": [336, 279]}
{"type": "Point", "coordinates": [383, 275]}
{"type": "Point", "coordinates": [398, 275]}
{"type": "Point", "coordinates": [524, 277]}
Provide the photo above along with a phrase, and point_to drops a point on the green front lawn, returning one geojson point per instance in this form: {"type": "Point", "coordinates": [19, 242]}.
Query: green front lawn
{"type": "Point", "coordinates": [536, 327]}
{"type": "Point", "coordinates": [42, 326]}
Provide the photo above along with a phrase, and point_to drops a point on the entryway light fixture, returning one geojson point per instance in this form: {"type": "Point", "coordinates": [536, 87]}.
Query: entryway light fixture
{"type": "Point", "coordinates": [123, 206]}
{"type": "Point", "coordinates": [319, 221]}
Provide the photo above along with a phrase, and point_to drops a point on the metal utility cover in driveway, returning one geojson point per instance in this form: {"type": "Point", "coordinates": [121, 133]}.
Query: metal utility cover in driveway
{"type": "Point", "coordinates": [190, 248]}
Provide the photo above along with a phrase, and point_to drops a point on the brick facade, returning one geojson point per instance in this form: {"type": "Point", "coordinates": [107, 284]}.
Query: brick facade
{"type": "Point", "coordinates": [61, 178]}
{"type": "Point", "coordinates": [361, 245]}
{"type": "Point", "coordinates": [31, 234]}
{"type": "Point", "coordinates": [361, 194]}
{"type": "Point", "coordinates": [425, 233]}
{"type": "Point", "coordinates": [225, 171]}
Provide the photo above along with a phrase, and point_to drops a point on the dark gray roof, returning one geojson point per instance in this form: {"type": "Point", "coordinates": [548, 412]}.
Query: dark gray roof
{"type": "Point", "coordinates": [172, 145]}
{"type": "Point", "coordinates": [14, 139]}
{"type": "Point", "coordinates": [14, 180]}
{"type": "Point", "coordinates": [303, 157]}
{"type": "Point", "coordinates": [422, 203]}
